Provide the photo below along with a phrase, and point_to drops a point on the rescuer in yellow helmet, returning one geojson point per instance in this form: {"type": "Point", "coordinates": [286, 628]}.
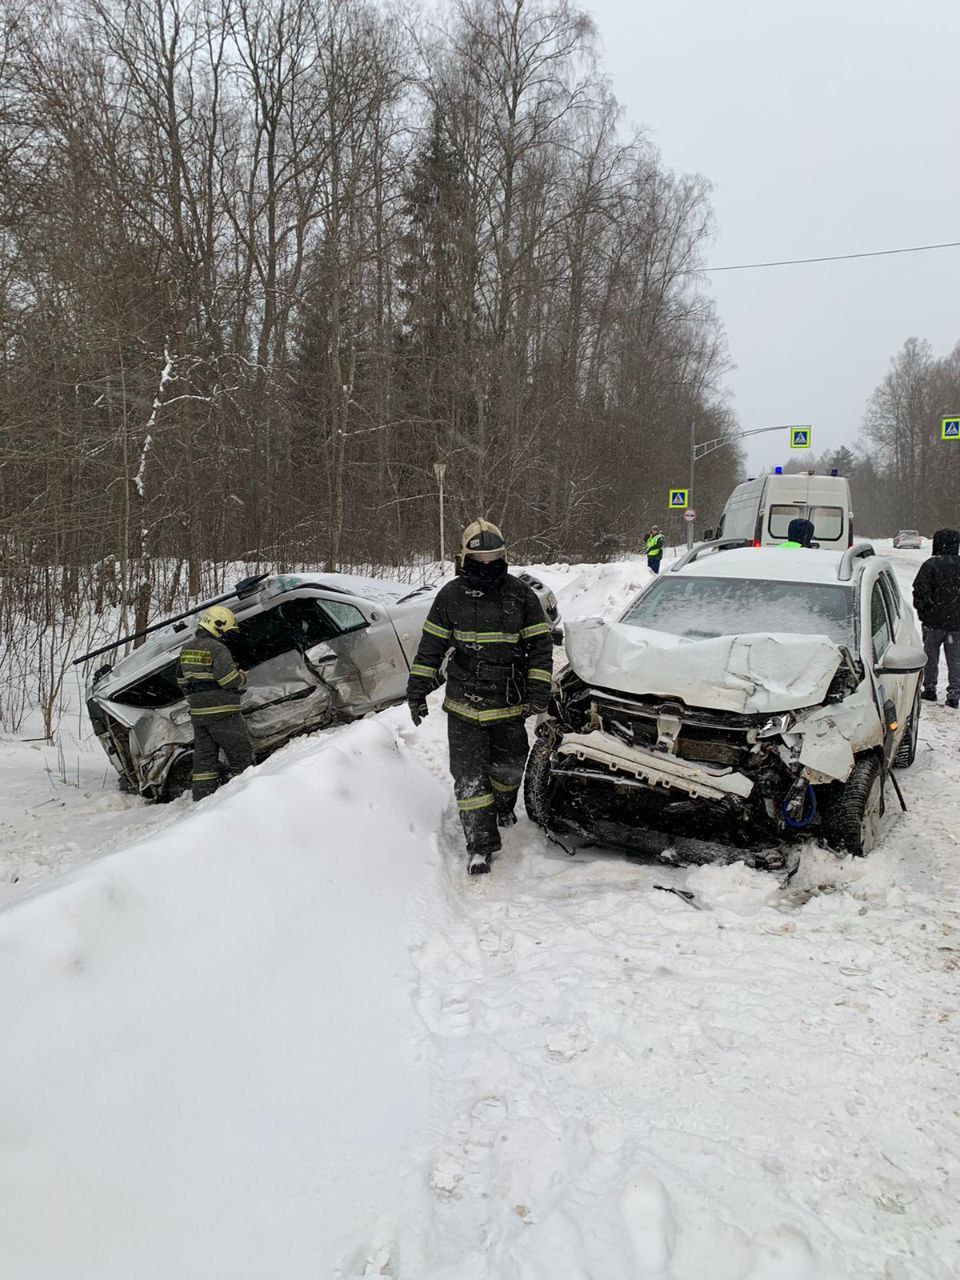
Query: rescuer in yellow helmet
{"type": "Point", "coordinates": [212, 682]}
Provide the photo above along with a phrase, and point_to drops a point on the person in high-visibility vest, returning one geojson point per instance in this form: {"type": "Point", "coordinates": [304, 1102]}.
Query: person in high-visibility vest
{"type": "Point", "coordinates": [655, 541]}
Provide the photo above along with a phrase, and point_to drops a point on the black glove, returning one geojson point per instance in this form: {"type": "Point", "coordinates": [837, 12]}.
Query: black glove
{"type": "Point", "coordinates": [538, 704]}
{"type": "Point", "coordinates": [418, 710]}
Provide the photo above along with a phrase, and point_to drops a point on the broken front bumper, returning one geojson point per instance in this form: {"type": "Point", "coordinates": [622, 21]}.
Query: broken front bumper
{"type": "Point", "coordinates": [653, 768]}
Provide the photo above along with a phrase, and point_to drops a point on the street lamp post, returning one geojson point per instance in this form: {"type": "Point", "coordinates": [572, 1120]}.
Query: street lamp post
{"type": "Point", "coordinates": [702, 450]}
{"type": "Point", "coordinates": [438, 469]}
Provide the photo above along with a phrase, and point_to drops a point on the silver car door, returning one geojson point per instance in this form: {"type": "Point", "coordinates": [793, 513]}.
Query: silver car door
{"type": "Point", "coordinates": [284, 694]}
{"type": "Point", "coordinates": [323, 638]}
{"type": "Point", "coordinates": [368, 642]}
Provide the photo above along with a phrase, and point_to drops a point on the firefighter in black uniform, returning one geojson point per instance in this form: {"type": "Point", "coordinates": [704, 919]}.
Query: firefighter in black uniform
{"type": "Point", "coordinates": [500, 671]}
{"type": "Point", "coordinates": [212, 681]}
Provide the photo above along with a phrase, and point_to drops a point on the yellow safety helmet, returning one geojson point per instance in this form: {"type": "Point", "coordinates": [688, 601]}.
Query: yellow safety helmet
{"type": "Point", "coordinates": [483, 541]}
{"type": "Point", "coordinates": [218, 620]}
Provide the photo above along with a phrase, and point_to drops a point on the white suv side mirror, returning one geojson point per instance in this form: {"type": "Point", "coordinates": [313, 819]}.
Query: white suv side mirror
{"type": "Point", "coordinates": [902, 660]}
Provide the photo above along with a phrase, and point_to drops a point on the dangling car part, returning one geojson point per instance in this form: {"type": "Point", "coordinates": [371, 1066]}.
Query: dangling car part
{"type": "Point", "coordinates": [678, 729]}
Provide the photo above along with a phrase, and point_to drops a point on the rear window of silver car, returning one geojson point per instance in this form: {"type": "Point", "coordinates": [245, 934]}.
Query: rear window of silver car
{"type": "Point", "coordinates": [703, 608]}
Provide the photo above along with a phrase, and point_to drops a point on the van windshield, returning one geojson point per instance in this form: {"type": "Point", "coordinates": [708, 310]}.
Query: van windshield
{"type": "Point", "coordinates": [827, 521]}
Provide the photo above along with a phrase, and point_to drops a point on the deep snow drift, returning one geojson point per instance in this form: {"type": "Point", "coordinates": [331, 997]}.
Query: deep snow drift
{"type": "Point", "coordinates": [287, 1037]}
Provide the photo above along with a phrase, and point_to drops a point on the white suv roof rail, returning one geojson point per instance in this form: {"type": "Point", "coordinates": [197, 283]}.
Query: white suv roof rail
{"type": "Point", "coordinates": [717, 544]}
{"type": "Point", "coordinates": [859, 551]}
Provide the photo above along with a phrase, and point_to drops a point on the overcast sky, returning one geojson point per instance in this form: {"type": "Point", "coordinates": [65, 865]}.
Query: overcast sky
{"type": "Point", "coordinates": [825, 126]}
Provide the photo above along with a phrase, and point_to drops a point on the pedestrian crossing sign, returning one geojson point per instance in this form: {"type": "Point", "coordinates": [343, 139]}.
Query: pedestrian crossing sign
{"type": "Point", "coordinates": [800, 437]}
{"type": "Point", "coordinates": [950, 428]}
{"type": "Point", "coordinates": [679, 499]}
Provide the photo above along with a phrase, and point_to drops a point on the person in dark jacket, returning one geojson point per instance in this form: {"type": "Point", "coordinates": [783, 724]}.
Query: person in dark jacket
{"type": "Point", "coordinates": [212, 681]}
{"type": "Point", "coordinates": [936, 598]}
{"type": "Point", "coordinates": [500, 672]}
{"type": "Point", "coordinates": [799, 534]}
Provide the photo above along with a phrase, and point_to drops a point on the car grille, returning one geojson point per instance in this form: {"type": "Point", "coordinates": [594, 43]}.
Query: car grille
{"type": "Point", "coordinates": [716, 738]}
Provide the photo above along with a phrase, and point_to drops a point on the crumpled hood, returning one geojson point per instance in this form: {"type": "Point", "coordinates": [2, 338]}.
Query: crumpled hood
{"type": "Point", "coordinates": [745, 673]}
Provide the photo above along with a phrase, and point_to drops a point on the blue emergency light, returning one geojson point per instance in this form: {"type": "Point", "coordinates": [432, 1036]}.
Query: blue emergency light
{"type": "Point", "coordinates": [778, 471]}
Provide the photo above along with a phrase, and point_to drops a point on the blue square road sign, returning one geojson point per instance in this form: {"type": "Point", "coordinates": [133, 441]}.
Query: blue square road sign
{"type": "Point", "coordinates": [800, 437]}
{"type": "Point", "coordinates": [678, 499]}
{"type": "Point", "coordinates": [950, 428]}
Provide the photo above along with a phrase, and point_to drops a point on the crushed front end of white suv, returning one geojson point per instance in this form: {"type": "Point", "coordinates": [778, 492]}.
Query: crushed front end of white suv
{"type": "Point", "coordinates": [744, 698]}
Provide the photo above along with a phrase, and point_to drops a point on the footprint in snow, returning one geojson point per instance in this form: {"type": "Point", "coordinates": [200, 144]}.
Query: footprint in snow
{"type": "Point", "coordinates": [495, 941]}
{"type": "Point", "coordinates": [781, 1254]}
{"type": "Point", "coordinates": [378, 1257]}
{"type": "Point", "coordinates": [651, 1226]}
{"type": "Point", "coordinates": [444, 1015]}
{"type": "Point", "coordinates": [564, 1043]}
{"type": "Point", "coordinates": [489, 1112]}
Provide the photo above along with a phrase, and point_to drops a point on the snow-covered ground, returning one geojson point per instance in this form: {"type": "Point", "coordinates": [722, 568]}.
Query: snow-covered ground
{"type": "Point", "coordinates": [284, 1037]}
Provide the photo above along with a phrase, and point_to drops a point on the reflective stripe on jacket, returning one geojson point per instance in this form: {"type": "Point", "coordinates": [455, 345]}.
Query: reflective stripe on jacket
{"type": "Point", "coordinates": [501, 647]}
{"type": "Point", "coordinates": [208, 675]}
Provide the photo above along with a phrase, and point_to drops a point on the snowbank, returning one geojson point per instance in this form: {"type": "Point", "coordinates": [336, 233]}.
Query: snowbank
{"type": "Point", "coordinates": [593, 590]}
{"type": "Point", "coordinates": [210, 1064]}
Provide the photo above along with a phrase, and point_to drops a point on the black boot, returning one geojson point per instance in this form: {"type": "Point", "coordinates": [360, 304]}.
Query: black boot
{"type": "Point", "coordinates": [929, 695]}
{"type": "Point", "coordinates": [954, 703]}
{"type": "Point", "coordinates": [478, 863]}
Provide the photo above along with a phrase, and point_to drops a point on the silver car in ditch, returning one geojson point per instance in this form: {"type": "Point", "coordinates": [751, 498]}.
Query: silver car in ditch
{"type": "Point", "coordinates": [318, 649]}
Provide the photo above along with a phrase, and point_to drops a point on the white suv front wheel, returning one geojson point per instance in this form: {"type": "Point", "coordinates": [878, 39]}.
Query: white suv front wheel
{"type": "Point", "coordinates": [852, 820]}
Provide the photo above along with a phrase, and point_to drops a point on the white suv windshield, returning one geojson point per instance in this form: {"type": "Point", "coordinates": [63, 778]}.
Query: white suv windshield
{"type": "Point", "coordinates": [702, 608]}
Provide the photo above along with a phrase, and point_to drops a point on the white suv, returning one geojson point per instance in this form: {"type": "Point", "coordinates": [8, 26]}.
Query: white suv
{"type": "Point", "coordinates": [746, 696]}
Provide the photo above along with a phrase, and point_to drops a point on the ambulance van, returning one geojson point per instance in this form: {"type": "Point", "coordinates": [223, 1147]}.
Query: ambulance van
{"type": "Point", "coordinates": [760, 510]}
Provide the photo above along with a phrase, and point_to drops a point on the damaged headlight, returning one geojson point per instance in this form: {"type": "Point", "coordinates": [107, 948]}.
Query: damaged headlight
{"type": "Point", "coordinates": [776, 726]}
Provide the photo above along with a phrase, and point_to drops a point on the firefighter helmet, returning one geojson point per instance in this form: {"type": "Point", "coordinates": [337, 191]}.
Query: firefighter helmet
{"type": "Point", "coordinates": [218, 620]}
{"type": "Point", "coordinates": [482, 541]}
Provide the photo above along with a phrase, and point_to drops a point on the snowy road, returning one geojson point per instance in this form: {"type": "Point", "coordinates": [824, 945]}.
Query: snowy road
{"type": "Point", "coordinates": [371, 1065]}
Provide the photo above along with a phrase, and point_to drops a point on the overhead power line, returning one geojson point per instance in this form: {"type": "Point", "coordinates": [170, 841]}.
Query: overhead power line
{"type": "Point", "coordinates": [835, 257]}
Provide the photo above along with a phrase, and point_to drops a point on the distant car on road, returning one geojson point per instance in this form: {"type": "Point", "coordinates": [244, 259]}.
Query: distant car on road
{"type": "Point", "coordinates": [908, 539]}
{"type": "Point", "coordinates": [743, 698]}
{"type": "Point", "coordinates": [318, 649]}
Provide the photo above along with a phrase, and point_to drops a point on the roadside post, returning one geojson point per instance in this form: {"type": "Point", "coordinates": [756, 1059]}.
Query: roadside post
{"type": "Point", "coordinates": [679, 500]}
{"type": "Point", "coordinates": [438, 469]}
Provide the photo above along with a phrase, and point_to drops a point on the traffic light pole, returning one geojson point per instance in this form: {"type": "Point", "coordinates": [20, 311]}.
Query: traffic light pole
{"type": "Point", "coordinates": [702, 450]}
